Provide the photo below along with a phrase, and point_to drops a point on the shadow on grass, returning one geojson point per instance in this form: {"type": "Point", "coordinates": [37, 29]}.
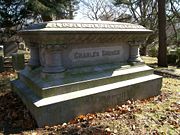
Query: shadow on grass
{"type": "Point", "coordinates": [153, 65]}
{"type": "Point", "coordinates": [14, 117]}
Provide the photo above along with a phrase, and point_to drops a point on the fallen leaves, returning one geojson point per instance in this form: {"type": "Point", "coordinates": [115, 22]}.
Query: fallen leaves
{"type": "Point", "coordinates": [155, 115]}
{"type": "Point", "coordinates": [7, 75]}
{"type": "Point", "coordinates": [83, 118]}
{"type": "Point", "coordinates": [14, 114]}
{"type": "Point", "coordinates": [5, 78]}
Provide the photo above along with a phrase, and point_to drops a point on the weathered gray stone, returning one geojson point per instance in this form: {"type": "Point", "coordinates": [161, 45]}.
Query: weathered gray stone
{"type": "Point", "coordinates": [64, 107]}
{"type": "Point", "coordinates": [1, 63]}
{"type": "Point", "coordinates": [18, 61]}
{"type": "Point", "coordinates": [51, 85]}
{"type": "Point", "coordinates": [76, 67]}
{"type": "Point", "coordinates": [77, 44]}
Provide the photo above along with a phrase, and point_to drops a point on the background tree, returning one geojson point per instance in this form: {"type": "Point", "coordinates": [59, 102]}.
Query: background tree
{"type": "Point", "coordinates": [12, 14]}
{"type": "Point", "coordinates": [53, 9]}
{"type": "Point", "coordinates": [173, 19]}
{"type": "Point", "coordinates": [100, 10]}
{"type": "Point", "coordinates": [143, 12]}
{"type": "Point", "coordinates": [162, 52]}
{"type": "Point", "coordinates": [15, 14]}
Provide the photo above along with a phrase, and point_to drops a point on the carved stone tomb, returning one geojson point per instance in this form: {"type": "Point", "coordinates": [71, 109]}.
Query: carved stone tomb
{"type": "Point", "coordinates": [83, 67]}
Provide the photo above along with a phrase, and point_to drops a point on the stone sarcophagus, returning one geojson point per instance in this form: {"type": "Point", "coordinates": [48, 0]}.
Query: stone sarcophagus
{"type": "Point", "coordinates": [83, 67]}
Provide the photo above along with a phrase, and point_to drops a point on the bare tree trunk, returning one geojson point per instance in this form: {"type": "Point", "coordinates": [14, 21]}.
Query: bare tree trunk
{"type": "Point", "coordinates": [162, 52]}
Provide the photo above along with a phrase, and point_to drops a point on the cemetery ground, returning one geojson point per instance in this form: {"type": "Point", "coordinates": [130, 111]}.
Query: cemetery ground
{"type": "Point", "coordinates": [156, 115]}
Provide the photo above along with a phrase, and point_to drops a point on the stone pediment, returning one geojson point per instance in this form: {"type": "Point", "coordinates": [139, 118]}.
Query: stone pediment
{"type": "Point", "coordinates": [73, 25]}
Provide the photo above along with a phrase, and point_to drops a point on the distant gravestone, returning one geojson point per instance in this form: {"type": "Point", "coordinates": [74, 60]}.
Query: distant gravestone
{"type": "Point", "coordinates": [10, 48]}
{"type": "Point", "coordinates": [18, 61]}
{"type": "Point", "coordinates": [1, 64]}
{"type": "Point", "coordinates": [178, 57]}
{"type": "Point", "coordinates": [83, 67]}
{"type": "Point", "coordinates": [174, 57]}
{"type": "Point", "coordinates": [1, 59]}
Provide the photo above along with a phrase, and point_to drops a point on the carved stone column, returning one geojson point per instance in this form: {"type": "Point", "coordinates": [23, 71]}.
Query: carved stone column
{"type": "Point", "coordinates": [51, 58]}
{"type": "Point", "coordinates": [134, 55]}
{"type": "Point", "coordinates": [34, 55]}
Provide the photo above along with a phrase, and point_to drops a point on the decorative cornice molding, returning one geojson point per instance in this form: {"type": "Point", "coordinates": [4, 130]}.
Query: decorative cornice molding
{"type": "Point", "coordinates": [135, 43]}
{"type": "Point", "coordinates": [71, 25]}
{"type": "Point", "coordinates": [66, 39]}
{"type": "Point", "coordinates": [53, 46]}
{"type": "Point", "coordinates": [93, 25]}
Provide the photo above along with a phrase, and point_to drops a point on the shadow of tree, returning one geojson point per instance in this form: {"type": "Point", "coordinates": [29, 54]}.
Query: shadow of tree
{"type": "Point", "coordinates": [14, 117]}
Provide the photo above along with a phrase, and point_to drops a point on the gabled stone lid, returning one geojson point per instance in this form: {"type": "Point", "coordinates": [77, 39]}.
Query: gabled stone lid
{"type": "Point", "coordinates": [73, 25]}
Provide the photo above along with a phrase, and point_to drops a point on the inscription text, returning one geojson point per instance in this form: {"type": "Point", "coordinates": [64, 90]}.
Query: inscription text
{"type": "Point", "coordinates": [90, 54]}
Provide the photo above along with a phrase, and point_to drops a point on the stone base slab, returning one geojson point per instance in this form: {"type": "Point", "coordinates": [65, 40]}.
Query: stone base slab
{"type": "Point", "coordinates": [64, 107]}
{"type": "Point", "coordinates": [77, 80]}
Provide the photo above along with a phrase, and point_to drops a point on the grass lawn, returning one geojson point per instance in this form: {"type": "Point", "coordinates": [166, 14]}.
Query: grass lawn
{"type": "Point", "coordinates": [156, 115]}
{"type": "Point", "coordinates": [171, 69]}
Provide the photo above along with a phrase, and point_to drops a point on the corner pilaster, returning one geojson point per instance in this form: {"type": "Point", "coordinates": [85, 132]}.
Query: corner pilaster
{"type": "Point", "coordinates": [134, 55]}
{"type": "Point", "coordinates": [34, 53]}
{"type": "Point", "coordinates": [51, 58]}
